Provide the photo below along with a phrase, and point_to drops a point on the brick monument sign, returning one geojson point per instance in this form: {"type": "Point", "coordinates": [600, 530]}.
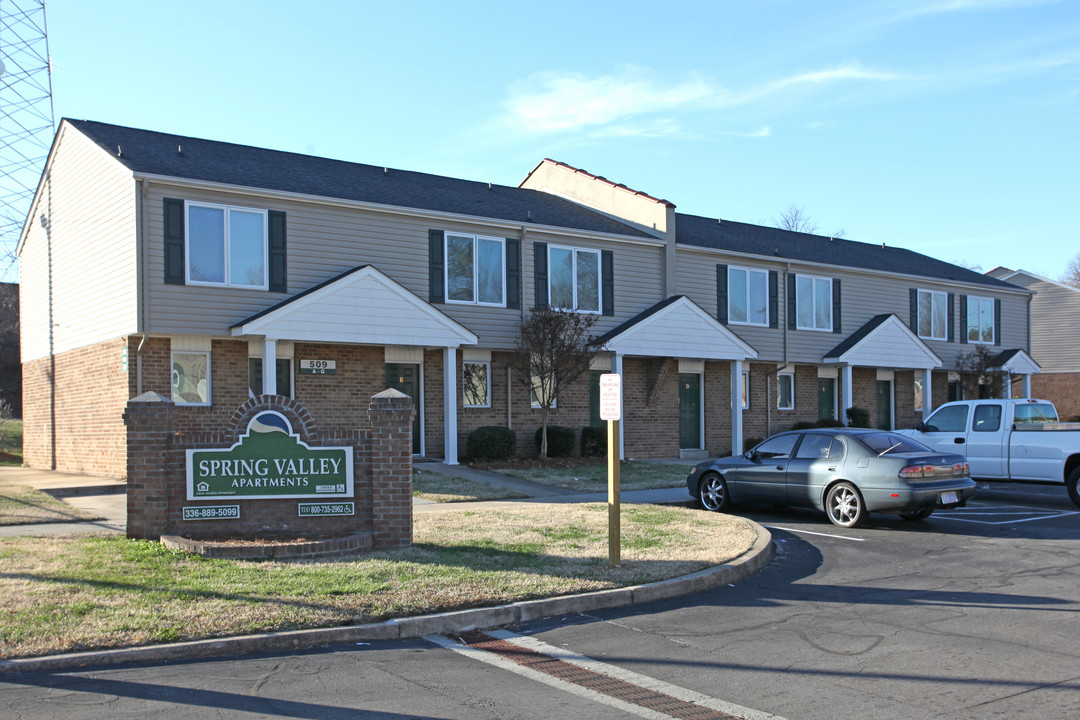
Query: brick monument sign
{"type": "Point", "coordinates": [270, 484]}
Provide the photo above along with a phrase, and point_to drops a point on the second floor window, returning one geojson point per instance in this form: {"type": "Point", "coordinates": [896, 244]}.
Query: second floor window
{"type": "Point", "coordinates": [813, 303]}
{"type": "Point", "coordinates": [980, 320]}
{"type": "Point", "coordinates": [748, 296]}
{"type": "Point", "coordinates": [574, 278]}
{"type": "Point", "coordinates": [474, 270]}
{"type": "Point", "coordinates": [933, 315]}
{"type": "Point", "coordinates": [226, 246]}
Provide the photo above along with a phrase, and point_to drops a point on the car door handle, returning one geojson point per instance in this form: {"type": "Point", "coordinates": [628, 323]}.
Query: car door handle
{"type": "Point", "coordinates": [832, 468]}
{"type": "Point", "coordinates": [779, 467]}
{"type": "Point", "coordinates": [959, 441]}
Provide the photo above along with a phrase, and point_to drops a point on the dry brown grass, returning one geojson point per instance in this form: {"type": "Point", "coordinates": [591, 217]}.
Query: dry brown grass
{"type": "Point", "coordinates": [21, 505]}
{"type": "Point", "coordinates": [67, 594]}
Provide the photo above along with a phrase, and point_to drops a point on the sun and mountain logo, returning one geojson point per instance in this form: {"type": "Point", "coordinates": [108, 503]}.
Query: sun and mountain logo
{"type": "Point", "coordinates": [269, 462]}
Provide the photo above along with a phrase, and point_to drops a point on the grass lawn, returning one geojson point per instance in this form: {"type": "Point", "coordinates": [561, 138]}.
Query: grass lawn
{"type": "Point", "coordinates": [11, 435]}
{"type": "Point", "coordinates": [20, 505]}
{"type": "Point", "coordinates": [74, 593]}
{"type": "Point", "coordinates": [592, 476]}
{"type": "Point", "coordinates": [441, 488]}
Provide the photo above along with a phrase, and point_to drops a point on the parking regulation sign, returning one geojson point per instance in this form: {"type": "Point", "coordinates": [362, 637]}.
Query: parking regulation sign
{"type": "Point", "coordinates": [610, 396]}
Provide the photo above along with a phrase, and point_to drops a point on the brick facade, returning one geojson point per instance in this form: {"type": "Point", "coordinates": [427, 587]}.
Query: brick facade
{"type": "Point", "coordinates": [1062, 389]}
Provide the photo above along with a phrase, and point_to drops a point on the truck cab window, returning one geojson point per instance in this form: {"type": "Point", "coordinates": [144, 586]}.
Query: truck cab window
{"type": "Point", "coordinates": [987, 418]}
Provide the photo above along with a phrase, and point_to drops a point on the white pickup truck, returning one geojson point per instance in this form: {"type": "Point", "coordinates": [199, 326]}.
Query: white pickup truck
{"type": "Point", "coordinates": [1007, 440]}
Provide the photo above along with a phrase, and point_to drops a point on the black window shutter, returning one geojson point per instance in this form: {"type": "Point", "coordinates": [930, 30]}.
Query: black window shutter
{"type": "Point", "coordinates": [791, 301]}
{"type": "Point", "coordinates": [436, 267]}
{"type": "Point", "coordinates": [513, 273]}
{"type": "Point", "coordinates": [540, 274]}
{"type": "Point", "coordinates": [836, 306]}
{"type": "Point", "coordinates": [774, 299]}
{"type": "Point", "coordinates": [721, 294]}
{"type": "Point", "coordinates": [174, 242]}
{"type": "Point", "coordinates": [952, 318]}
{"type": "Point", "coordinates": [607, 282]}
{"type": "Point", "coordinates": [963, 320]}
{"type": "Point", "coordinates": [913, 310]}
{"type": "Point", "coordinates": [997, 322]}
{"type": "Point", "coordinates": [279, 281]}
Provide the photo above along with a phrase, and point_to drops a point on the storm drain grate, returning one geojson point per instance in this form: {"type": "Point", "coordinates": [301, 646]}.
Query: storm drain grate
{"type": "Point", "coordinates": [583, 677]}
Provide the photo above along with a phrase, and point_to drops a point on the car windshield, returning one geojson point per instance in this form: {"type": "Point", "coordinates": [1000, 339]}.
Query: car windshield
{"type": "Point", "coordinates": [884, 443]}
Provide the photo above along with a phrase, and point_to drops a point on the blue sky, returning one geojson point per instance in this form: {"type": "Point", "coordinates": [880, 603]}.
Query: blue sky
{"type": "Point", "coordinates": [945, 126]}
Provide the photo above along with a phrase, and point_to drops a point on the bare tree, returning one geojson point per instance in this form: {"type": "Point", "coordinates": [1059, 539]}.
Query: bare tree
{"type": "Point", "coordinates": [979, 372]}
{"type": "Point", "coordinates": [796, 219]}
{"type": "Point", "coordinates": [555, 348]}
{"type": "Point", "coordinates": [1071, 275]}
{"type": "Point", "coordinates": [973, 266]}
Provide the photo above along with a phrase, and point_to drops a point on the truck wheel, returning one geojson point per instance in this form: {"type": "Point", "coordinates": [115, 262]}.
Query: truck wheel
{"type": "Point", "coordinates": [1073, 485]}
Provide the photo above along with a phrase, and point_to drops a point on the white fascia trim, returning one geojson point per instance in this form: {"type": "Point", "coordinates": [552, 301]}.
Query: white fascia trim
{"type": "Point", "coordinates": [1035, 276]}
{"type": "Point", "coordinates": [260, 325]}
{"type": "Point", "coordinates": [390, 209]}
{"type": "Point", "coordinates": [1022, 364]}
{"type": "Point", "coordinates": [895, 322]}
{"type": "Point", "coordinates": [772, 260]}
{"type": "Point", "coordinates": [685, 303]}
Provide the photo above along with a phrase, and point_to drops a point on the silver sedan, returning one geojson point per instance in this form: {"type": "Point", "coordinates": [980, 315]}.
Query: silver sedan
{"type": "Point", "coordinates": [846, 472]}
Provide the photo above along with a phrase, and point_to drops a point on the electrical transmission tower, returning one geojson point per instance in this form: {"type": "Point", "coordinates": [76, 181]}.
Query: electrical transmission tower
{"type": "Point", "coordinates": [26, 118]}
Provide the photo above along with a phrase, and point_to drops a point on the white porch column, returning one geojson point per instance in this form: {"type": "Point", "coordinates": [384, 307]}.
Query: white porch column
{"type": "Point", "coordinates": [269, 364]}
{"type": "Point", "coordinates": [616, 367]}
{"type": "Point", "coordinates": [1027, 385]}
{"type": "Point", "coordinates": [847, 388]}
{"type": "Point", "coordinates": [736, 407]}
{"type": "Point", "coordinates": [1006, 386]}
{"type": "Point", "coordinates": [450, 404]}
{"type": "Point", "coordinates": [927, 393]}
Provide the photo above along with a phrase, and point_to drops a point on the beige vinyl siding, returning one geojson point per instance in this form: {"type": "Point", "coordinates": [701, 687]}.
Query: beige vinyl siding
{"type": "Point", "coordinates": [325, 240]}
{"type": "Point", "coordinates": [863, 296]}
{"type": "Point", "coordinates": [90, 200]}
{"type": "Point", "coordinates": [638, 275]}
{"type": "Point", "coordinates": [1055, 320]}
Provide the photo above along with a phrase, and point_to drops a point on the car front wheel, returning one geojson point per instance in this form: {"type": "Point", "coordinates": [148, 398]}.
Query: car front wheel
{"type": "Point", "coordinates": [844, 505]}
{"type": "Point", "coordinates": [920, 514]}
{"type": "Point", "coordinates": [714, 495]}
{"type": "Point", "coordinates": [1073, 485]}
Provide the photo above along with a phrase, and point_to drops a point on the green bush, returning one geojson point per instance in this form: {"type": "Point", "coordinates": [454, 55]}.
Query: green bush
{"type": "Point", "coordinates": [751, 442]}
{"type": "Point", "coordinates": [560, 440]}
{"type": "Point", "coordinates": [828, 422]}
{"type": "Point", "coordinates": [593, 441]}
{"type": "Point", "coordinates": [858, 417]}
{"type": "Point", "coordinates": [491, 442]}
{"type": "Point", "coordinates": [804, 425]}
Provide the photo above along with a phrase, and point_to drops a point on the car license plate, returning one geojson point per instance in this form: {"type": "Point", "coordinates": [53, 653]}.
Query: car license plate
{"type": "Point", "coordinates": [949, 497]}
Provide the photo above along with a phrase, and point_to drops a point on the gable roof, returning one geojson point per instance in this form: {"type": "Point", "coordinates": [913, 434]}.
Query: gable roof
{"type": "Point", "coordinates": [177, 156]}
{"type": "Point", "coordinates": [676, 327]}
{"type": "Point", "coordinates": [884, 341]}
{"type": "Point", "coordinates": [779, 244]}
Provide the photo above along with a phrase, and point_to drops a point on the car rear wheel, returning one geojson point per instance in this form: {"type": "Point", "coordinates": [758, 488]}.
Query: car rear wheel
{"type": "Point", "coordinates": [714, 494]}
{"type": "Point", "coordinates": [845, 506]}
{"type": "Point", "coordinates": [920, 514]}
{"type": "Point", "coordinates": [1073, 484]}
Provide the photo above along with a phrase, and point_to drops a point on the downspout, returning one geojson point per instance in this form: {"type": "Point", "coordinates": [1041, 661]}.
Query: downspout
{"type": "Point", "coordinates": [768, 384]}
{"type": "Point", "coordinates": [140, 263]}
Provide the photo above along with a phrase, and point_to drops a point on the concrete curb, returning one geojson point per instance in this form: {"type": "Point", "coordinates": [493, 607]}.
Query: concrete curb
{"type": "Point", "coordinates": [414, 627]}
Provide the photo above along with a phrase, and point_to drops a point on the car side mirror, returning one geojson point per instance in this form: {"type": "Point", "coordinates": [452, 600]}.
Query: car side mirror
{"type": "Point", "coordinates": [750, 455]}
{"type": "Point", "coordinates": [921, 427]}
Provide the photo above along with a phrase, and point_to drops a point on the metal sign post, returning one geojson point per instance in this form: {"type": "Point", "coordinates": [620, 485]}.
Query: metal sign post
{"type": "Point", "coordinates": [611, 410]}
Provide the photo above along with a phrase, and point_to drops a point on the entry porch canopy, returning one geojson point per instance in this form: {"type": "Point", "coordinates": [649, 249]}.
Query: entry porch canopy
{"type": "Point", "coordinates": [885, 341]}
{"type": "Point", "coordinates": [1017, 362]}
{"type": "Point", "coordinates": [363, 306]}
{"type": "Point", "coordinates": [679, 328]}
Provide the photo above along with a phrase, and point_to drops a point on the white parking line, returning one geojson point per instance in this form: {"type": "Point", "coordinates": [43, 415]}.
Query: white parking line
{"type": "Point", "coordinates": [808, 532]}
{"type": "Point", "coordinates": [1012, 513]}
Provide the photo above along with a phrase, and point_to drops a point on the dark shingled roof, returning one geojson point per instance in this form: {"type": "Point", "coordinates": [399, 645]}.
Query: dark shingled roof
{"type": "Point", "coordinates": [154, 153]}
{"type": "Point", "coordinates": [787, 245]}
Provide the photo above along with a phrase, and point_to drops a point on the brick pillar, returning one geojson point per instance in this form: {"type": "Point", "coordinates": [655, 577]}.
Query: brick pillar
{"type": "Point", "coordinates": [150, 420]}
{"type": "Point", "coordinates": [391, 414]}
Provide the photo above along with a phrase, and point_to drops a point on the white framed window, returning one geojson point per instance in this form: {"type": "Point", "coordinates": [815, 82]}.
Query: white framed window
{"type": "Point", "coordinates": [574, 279]}
{"type": "Point", "coordinates": [813, 303]}
{"type": "Point", "coordinates": [474, 269]}
{"type": "Point", "coordinates": [785, 391]}
{"type": "Point", "coordinates": [282, 372]}
{"type": "Point", "coordinates": [191, 378]}
{"type": "Point", "coordinates": [541, 387]}
{"type": "Point", "coordinates": [933, 313]}
{"type": "Point", "coordinates": [744, 391]}
{"type": "Point", "coordinates": [980, 320]}
{"type": "Point", "coordinates": [476, 384]}
{"type": "Point", "coordinates": [225, 246]}
{"type": "Point", "coordinates": [748, 296]}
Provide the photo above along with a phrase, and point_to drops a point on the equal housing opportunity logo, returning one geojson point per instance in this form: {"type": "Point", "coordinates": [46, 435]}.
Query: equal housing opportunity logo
{"type": "Point", "coordinates": [269, 463]}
